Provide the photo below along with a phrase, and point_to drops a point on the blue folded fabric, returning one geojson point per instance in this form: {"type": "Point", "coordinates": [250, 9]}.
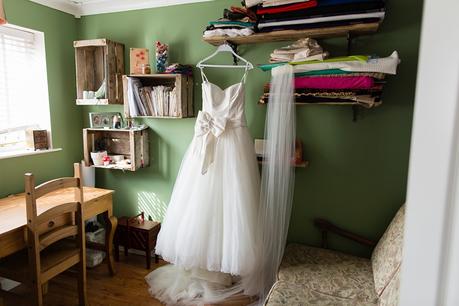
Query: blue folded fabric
{"type": "Point", "coordinates": [239, 23]}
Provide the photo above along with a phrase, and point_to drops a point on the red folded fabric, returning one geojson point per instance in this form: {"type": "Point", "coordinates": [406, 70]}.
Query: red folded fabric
{"type": "Point", "coordinates": [287, 8]}
{"type": "Point", "coordinates": [355, 82]}
{"type": "Point", "coordinates": [242, 10]}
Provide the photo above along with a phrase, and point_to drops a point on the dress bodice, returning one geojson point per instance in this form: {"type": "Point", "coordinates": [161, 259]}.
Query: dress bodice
{"type": "Point", "coordinates": [222, 111]}
{"type": "Point", "coordinates": [227, 103]}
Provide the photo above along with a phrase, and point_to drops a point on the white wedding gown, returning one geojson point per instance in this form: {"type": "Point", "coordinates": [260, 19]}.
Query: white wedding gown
{"type": "Point", "coordinates": [209, 232]}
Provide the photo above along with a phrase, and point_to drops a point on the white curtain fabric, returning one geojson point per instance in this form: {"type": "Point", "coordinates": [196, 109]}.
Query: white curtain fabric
{"type": "Point", "coordinates": [2, 13]}
{"type": "Point", "coordinates": [278, 175]}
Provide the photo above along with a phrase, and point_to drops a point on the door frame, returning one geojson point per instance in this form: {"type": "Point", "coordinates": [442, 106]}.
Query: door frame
{"type": "Point", "coordinates": [430, 275]}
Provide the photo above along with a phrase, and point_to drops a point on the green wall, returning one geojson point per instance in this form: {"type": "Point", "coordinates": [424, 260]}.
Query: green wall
{"type": "Point", "coordinates": [60, 30]}
{"type": "Point", "coordinates": [358, 170]}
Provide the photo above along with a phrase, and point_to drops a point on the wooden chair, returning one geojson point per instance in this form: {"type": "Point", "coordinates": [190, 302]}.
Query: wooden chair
{"type": "Point", "coordinates": [50, 250]}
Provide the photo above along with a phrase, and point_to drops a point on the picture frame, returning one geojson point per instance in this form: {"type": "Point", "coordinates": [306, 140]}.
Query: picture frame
{"type": "Point", "coordinates": [103, 119]}
{"type": "Point", "coordinates": [137, 58]}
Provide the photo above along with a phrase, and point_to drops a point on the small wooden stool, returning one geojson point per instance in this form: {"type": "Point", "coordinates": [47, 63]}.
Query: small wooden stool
{"type": "Point", "coordinates": [137, 234]}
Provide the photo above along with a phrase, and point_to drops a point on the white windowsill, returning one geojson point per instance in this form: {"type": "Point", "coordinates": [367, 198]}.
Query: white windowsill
{"type": "Point", "coordinates": [11, 154]}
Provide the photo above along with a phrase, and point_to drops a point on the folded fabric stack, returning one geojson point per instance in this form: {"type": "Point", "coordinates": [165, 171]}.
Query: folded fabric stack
{"type": "Point", "coordinates": [275, 15]}
{"type": "Point", "coordinates": [236, 21]}
{"type": "Point", "coordinates": [303, 50]}
{"type": "Point", "coordinates": [352, 79]}
{"type": "Point", "coordinates": [180, 69]}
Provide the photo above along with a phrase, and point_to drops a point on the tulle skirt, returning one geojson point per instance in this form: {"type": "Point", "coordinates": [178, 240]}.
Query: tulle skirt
{"type": "Point", "coordinates": [211, 221]}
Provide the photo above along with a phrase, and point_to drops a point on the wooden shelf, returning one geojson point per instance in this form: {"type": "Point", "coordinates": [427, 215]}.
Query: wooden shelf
{"type": "Point", "coordinates": [341, 104]}
{"type": "Point", "coordinates": [117, 130]}
{"type": "Point", "coordinates": [333, 104]}
{"type": "Point", "coordinates": [304, 164]}
{"type": "Point", "coordinates": [183, 85]}
{"type": "Point", "coordinates": [113, 167]}
{"type": "Point", "coordinates": [99, 64]}
{"type": "Point", "coordinates": [161, 117]}
{"type": "Point", "coordinates": [156, 75]}
{"type": "Point", "coordinates": [133, 144]}
{"type": "Point", "coordinates": [92, 101]}
{"type": "Point", "coordinates": [288, 35]}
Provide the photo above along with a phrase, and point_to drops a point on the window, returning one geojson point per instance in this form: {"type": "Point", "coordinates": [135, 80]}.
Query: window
{"type": "Point", "coordinates": [24, 100]}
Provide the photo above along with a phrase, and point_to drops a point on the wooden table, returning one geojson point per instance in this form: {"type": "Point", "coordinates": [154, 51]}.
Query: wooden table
{"type": "Point", "coordinates": [13, 218]}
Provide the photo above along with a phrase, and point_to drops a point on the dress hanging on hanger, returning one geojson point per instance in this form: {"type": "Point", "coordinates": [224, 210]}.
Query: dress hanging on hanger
{"type": "Point", "coordinates": [210, 232]}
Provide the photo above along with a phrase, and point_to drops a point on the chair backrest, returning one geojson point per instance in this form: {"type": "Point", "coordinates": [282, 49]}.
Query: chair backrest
{"type": "Point", "coordinates": [387, 255]}
{"type": "Point", "coordinates": [59, 222]}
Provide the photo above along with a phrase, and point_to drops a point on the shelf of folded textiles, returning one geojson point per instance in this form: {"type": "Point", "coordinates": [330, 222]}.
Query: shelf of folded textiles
{"type": "Point", "coordinates": [290, 35]}
{"type": "Point", "coordinates": [92, 101]}
{"type": "Point", "coordinates": [302, 164]}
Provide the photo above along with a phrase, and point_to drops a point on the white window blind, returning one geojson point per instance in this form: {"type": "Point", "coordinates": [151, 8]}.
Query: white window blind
{"type": "Point", "coordinates": [23, 86]}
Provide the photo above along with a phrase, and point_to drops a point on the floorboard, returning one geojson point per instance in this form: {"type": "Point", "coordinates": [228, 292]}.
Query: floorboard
{"type": "Point", "coordinates": [126, 288]}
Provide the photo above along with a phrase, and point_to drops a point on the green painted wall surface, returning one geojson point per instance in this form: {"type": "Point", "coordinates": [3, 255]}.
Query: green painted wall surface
{"type": "Point", "coordinates": [358, 171]}
{"type": "Point", "coordinates": [60, 30]}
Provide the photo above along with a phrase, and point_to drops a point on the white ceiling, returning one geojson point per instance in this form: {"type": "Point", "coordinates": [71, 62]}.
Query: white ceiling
{"type": "Point", "coordinates": [91, 7]}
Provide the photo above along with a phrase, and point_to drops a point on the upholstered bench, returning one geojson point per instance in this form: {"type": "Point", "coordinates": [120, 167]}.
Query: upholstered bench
{"type": "Point", "coordinates": [318, 276]}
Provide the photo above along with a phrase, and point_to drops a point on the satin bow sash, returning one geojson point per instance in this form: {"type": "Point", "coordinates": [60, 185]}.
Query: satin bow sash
{"type": "Point", "coordinates": [209, 128]}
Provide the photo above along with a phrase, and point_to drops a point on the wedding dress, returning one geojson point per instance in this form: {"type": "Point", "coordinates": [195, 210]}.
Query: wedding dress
{"type": "Point", "coordinates": [209, 232]}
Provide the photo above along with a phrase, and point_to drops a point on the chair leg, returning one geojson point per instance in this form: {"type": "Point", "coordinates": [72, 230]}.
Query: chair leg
{"type": "Point", "coordinates": [37, 293]}
{"type": "Point", "coordinates": [82, 294]}
{"type": "Point", "coordinates": [44, 288]}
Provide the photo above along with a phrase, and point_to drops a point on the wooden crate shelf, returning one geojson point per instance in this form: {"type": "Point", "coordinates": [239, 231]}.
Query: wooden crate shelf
{"type": "Point", "coordinates": [132, 143]}
{"type": "Point", "coordinates": [98, 61]}
{"type": "Point", "coordinates": [289, 35]}
{"type": "Point", "coordinates": [183, 85]}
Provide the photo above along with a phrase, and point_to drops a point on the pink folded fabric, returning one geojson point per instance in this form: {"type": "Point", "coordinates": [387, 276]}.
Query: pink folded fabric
{"type": "Point", "coordinates": [354, 82]}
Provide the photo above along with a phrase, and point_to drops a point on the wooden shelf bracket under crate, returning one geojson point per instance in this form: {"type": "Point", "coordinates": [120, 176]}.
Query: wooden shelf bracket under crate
{"type": "Point", "coordinates": [132, 143]}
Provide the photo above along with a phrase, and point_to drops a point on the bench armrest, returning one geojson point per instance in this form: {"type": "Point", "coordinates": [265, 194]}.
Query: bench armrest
{"type": "Point", "coordinates": [325, 226]}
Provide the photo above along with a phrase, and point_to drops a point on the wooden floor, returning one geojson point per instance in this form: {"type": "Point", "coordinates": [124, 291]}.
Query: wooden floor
{"type": "Point", "coordinates": [126, 288]}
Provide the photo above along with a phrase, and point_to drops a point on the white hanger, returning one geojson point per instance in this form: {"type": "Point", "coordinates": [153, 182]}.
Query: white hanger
{"type": "Point", "coordinates": [225, 48]}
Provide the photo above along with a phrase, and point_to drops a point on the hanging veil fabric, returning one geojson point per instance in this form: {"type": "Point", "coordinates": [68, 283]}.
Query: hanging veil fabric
{"type": "Point", "coordinates": [278, 176]}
